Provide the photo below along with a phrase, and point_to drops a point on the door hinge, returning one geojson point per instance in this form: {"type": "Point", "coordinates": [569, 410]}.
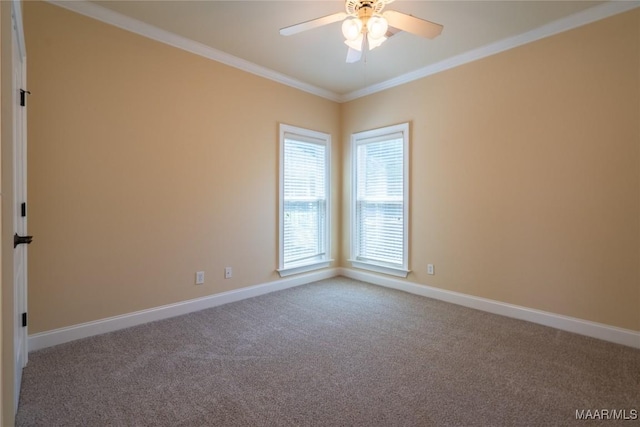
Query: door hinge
{"type": "Point", "coordinates": [24, 319]}
{"type": "Point", "coordinates": [23, 210]}
{"type": "Point", "coordinates": [23, 97]}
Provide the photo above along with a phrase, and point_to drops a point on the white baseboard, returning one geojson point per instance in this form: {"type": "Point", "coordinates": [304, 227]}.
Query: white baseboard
{"type": "Point", "coordinates": [59, 336]}
{"type": "Point", "coordinates": [565, 323]}
{"type": "Point", "coordinates": [570, 324]}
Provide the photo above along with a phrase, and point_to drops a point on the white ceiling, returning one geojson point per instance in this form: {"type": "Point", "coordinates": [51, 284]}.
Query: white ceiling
{"type": "Point", "coordinates": [315, 60]}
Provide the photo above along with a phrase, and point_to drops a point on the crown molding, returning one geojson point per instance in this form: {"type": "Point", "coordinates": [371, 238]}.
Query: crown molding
{"type": "Point", "coordinates": [116, 19]}
{"type": "Point", "coordinates": [579, 19]}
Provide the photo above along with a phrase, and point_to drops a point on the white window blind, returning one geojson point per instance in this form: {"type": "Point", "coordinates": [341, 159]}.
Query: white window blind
{"type": "Point", "coordinates": [304, 198]}
{"type": "Point", "coordinates": [380, 207]}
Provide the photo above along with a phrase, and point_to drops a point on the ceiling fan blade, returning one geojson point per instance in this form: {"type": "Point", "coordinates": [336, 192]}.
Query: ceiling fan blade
{"type": "Point", "coordinates": [391, 31]}
{"type": "Point", "coordinates": [411, 24]}
{"type": "Point", "coordinates": [314, 23]}
{"type": "Point", "coordinates": [353, 55]}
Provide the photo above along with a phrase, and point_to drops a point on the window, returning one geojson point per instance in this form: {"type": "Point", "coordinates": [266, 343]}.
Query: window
{"type": "Point", "coordinates": [304, 200]}
{"type": "Point", "coordinates": [379, 209]}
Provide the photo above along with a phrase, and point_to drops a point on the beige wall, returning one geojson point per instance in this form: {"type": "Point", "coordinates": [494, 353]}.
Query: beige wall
{"type": "Point", "coordinates": [524, 173]}
{"type": "Point", "coordinates": [147, 164]}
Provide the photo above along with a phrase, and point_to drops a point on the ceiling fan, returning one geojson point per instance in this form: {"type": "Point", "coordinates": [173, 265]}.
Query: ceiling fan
{"type": "Point", "coordinates": [365, 25]}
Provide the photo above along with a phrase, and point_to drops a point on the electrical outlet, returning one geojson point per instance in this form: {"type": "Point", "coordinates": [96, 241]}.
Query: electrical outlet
{"type": "Point", "coordinates": [228, 272]}
{"type": "Point", "coordinates": [199, 277]}
{"type": "Point", "coordinates": [430, 269]}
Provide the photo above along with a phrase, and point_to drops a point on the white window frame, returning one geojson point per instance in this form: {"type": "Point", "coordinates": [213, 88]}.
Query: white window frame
{"type": "Point", "coordinates": [304, 135]}
{"type": "Point", "coordinates": [370, 136]}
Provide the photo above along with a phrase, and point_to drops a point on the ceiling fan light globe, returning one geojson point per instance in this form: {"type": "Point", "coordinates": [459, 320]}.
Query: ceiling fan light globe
{"type": "Point", "coordinates": [355, 44]}
{"type": "Point", "coordinates": [374, 43]}
{"type": "Point", "coordinates": [377, 27]}
{"type": "Point", "coordinates": [351, 28]}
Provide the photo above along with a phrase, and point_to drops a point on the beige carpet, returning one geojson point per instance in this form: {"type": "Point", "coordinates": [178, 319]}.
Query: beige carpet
{"type": "Point", "coordinates": [335, 353]}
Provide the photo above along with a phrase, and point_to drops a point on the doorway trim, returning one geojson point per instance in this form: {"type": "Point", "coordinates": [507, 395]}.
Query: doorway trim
{"type": "Point", "coordinates": [19, 153]}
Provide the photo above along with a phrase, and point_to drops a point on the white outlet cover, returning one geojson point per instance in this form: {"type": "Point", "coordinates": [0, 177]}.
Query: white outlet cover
{"type": "Point", "coordinates": [199, 277]}
{"type": "Point", "coordinates": [430, 269]}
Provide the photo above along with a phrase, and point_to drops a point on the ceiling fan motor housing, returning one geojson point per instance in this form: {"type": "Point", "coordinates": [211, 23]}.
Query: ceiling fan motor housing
{"type": "Point", "coordinates": [364, 8]}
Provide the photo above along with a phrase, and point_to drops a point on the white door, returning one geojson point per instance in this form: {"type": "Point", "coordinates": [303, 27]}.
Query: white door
{"type": "Point", "coordinates": [19, 197]}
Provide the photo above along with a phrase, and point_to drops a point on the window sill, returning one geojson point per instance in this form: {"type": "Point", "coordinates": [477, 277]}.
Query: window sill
{"type": "Point", "coordinates": [296, 269]}
{"type": "Point", "coordinates": [378, 268]}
